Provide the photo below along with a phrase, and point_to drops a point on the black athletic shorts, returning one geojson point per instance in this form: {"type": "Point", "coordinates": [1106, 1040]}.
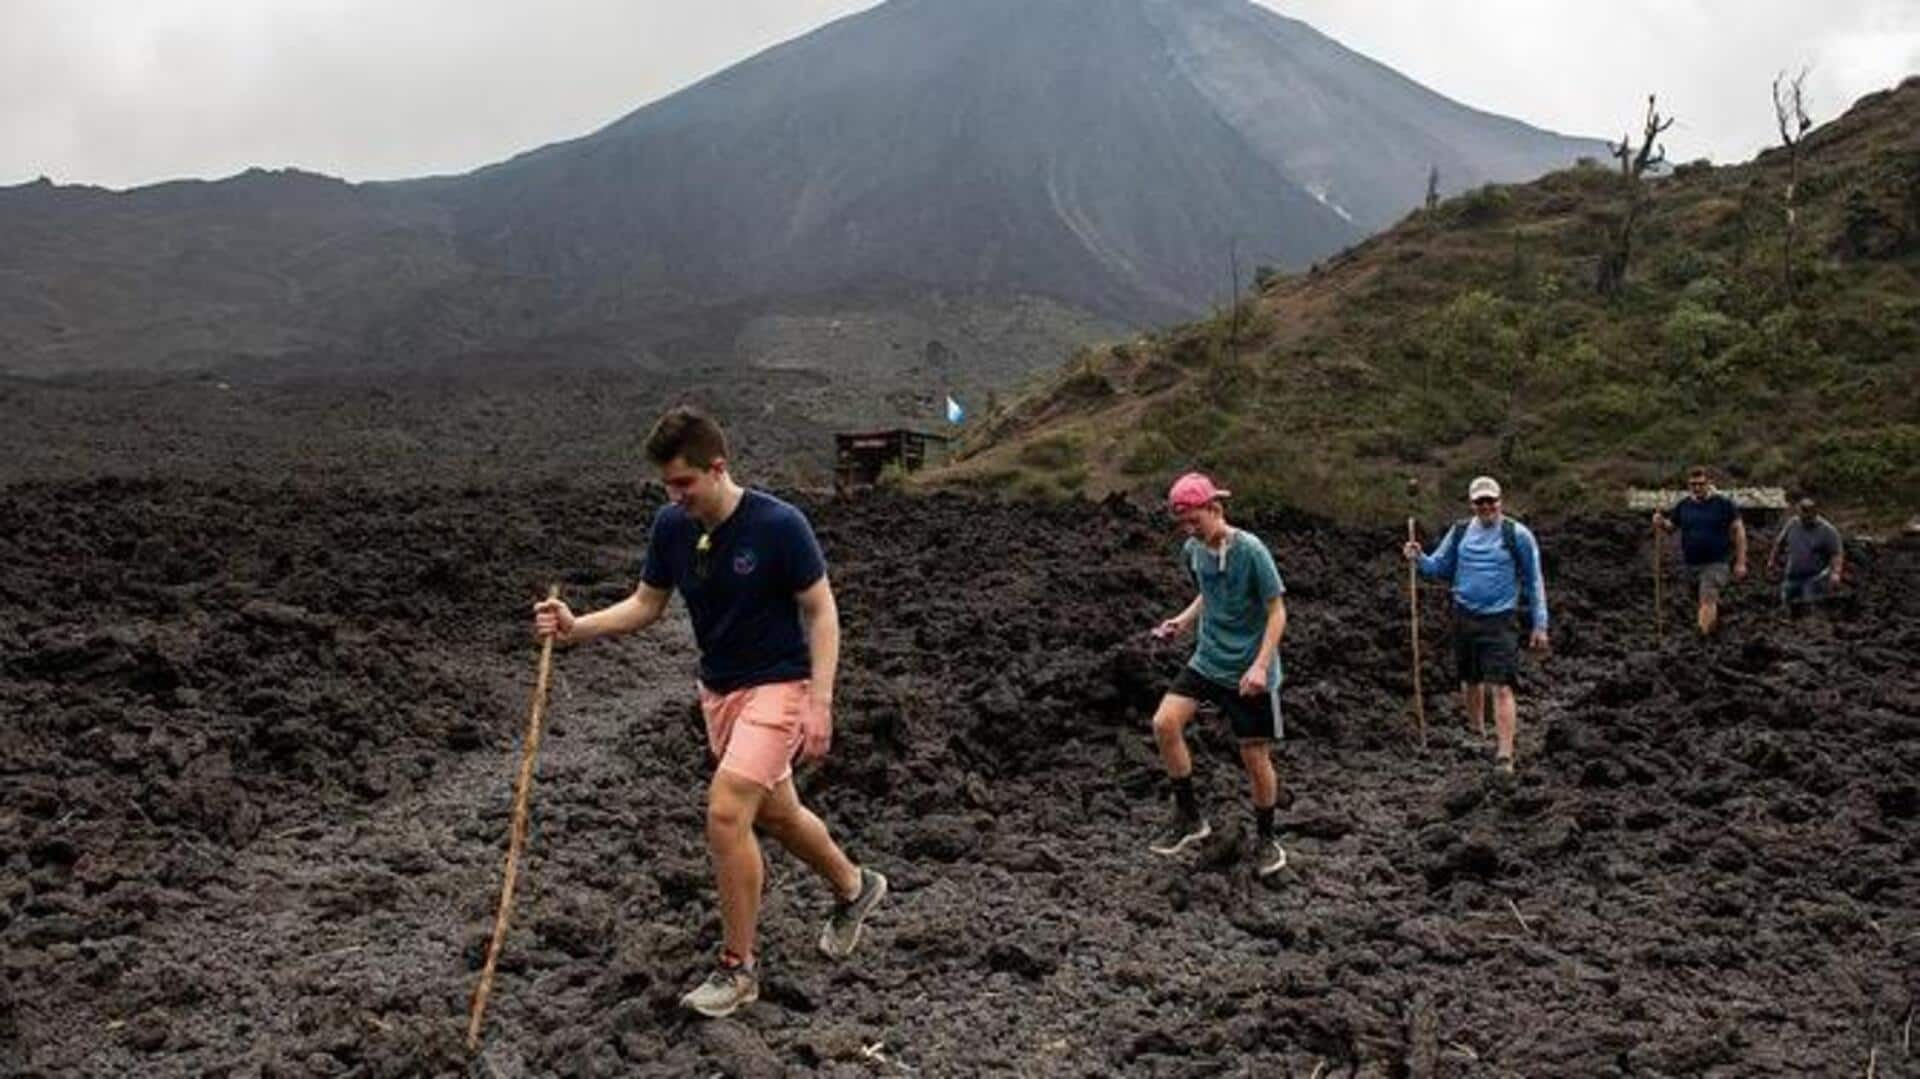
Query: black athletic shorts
{"type": "Point", "coordinates": [1486, 647]}
{"type": "Point", "coordinates": [1251, 717]}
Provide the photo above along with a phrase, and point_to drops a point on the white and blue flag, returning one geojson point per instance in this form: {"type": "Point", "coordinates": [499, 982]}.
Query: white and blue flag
{"type": "Point", "coordinates": [955, 414]}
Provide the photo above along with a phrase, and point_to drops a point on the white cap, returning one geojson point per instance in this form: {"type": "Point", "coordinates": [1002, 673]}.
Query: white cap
{"type": "Point", "coordinates": [1483, 487]}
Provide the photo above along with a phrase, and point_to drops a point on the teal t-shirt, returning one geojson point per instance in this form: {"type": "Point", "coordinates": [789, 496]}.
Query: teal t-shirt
{"type": "Point", "coordinates": [1235, 582]}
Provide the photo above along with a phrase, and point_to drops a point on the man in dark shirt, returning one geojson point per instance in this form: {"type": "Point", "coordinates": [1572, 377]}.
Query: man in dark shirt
{"type": "Point", "coordinates": [1710, 531]}
{"type": "Point", "coordinates": [1815, 558]}
{"type": "Point", "coordinates": [755, 586]}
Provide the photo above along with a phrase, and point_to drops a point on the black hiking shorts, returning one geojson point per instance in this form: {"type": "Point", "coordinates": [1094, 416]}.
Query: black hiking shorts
{"type": "Point", "coordinates": [1251, 717]}
{"type": "Point", "coordinates": [1486, 648]}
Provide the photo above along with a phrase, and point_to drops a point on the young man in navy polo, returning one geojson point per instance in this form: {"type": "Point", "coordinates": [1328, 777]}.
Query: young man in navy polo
{"type": "Point", "coordinates": [1235, 665]}
{"type": "Point", "coordinates": [755, 586]}
{"type": "Point", "coordinates": [1711, 534]}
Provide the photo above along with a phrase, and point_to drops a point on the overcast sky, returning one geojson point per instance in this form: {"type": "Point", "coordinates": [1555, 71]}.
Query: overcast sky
{"type": "Point", "coordinates": [127, 92]}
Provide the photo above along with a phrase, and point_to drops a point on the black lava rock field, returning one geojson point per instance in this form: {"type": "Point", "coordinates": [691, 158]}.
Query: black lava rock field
{"type": "Point", "coordinates": [259, 725]}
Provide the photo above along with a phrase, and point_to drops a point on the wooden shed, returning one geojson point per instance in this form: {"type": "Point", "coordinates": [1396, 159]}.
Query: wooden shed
{"type": "Point", "coordinates": [860, 458]}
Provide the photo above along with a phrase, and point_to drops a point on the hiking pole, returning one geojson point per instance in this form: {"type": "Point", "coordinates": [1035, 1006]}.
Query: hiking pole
{"type": "Point", "coordinates": [1413, 608]}
{"type": "Point", "coordinates": [1659, 605]}
{"type": "Point", "coordinates": [516, 837]}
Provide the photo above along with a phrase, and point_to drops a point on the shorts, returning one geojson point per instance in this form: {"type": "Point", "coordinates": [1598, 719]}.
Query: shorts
{"type": "Point", "coordinates": [1709, 578]}
{"type": "Point", "coordinates": [755, 732]}
{"type": "Point", "coordinates": [1486, 648]}
{"type": "Point", "coordinates": [1252, 718]}
{"type": "Point", "coordinates": [1806, 589]}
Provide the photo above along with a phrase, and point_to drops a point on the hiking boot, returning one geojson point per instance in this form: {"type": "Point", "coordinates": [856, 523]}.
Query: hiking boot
{"type": "Point", "coordinates": [842, 931]}
{"type": "Point", "coordinates": [1503, 765]}
{"type": "Point", "coordinates": [730, 987]}
{"type": "Point", "coordinates": [1269, 857]}
{"type": "Point", "coordinates": [1184, 830]}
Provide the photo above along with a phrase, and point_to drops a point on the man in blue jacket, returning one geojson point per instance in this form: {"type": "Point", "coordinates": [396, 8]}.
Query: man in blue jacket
{"type": "Point", "coordinates": [1494, 563]}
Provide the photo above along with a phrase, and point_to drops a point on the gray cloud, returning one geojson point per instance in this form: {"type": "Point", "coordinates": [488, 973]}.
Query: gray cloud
{"type": "Point", "coordinates": [1587, 68]}
{"type": "Point", "coordinates": [124, 92]}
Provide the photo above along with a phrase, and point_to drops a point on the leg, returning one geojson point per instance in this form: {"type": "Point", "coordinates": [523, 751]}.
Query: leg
{"type": "Point", "coordinates": [1269, 856]}
{"type": "Point", "coordinates": [805, 835]}
{"type": "Point", "coordinates": [1505, 721]}
{"type": "Point", "coordinates": [1169, 731]}
{"type": "Point", "coordinates": [1466, 668]}
{"type": "Point", "coordinates": [732, 803]}
{"type": "Point", "coordinates": [1473, 697]}
{"type": "Point", "coordinates": [1169, 726]}
{"type": "Point", "coordinates": [1712, 579]}
{"type": "Point", "coordinates": [1259, 764]}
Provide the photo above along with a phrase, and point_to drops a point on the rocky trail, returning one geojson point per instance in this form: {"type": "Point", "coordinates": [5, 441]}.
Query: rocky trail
{"type": "Point", "coordinates": [259, 739]}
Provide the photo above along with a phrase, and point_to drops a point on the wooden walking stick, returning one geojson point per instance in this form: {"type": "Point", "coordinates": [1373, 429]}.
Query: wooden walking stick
{"type": "Point", "coordinates": [516, 837]}
{"type": "Point", "coordinates": [1659, 604]}
{"type": "Point", "coordinates": [1413, 606]}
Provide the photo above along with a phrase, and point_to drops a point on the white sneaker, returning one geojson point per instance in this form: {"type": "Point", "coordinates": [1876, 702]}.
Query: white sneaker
{"type": "Point", "coordinates": [842, 931]}
{"type": "Point", "coordinates": [728, 989]}
{"type": "Point", "coordinates": [1271, 857]}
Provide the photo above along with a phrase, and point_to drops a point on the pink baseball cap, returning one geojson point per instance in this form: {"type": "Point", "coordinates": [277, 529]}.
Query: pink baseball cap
{"type": "Point", "coordinates": [1194, 490]}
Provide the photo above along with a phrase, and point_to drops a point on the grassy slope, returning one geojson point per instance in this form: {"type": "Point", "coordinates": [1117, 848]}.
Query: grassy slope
{"type": "Point", "coordinates": [1470, 338]}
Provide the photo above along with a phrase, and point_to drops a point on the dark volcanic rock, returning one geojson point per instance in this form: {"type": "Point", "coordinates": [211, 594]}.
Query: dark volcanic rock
{"type": "Point", "coordinates": [287, 858]}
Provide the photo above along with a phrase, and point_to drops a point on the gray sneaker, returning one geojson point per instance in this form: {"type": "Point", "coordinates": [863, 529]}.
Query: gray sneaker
{"type": "Point", "coordinates": [1184, 830]}
{"type": "Point", "coordinates": [728, 989]}
{"type": "Point", "coordinates": [842, 931]}
{"type": "Point", "coordinates": [1269, 857]}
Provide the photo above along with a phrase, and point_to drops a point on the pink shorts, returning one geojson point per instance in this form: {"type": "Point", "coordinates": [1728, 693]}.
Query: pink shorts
{"type": "Point", "coordinates": [755, 732]}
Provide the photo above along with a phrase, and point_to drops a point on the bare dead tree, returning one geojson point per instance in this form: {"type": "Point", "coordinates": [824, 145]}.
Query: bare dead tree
{"type": "Point", "coordinates": [1790, 112]}
{"type": "Point", "coordinates": [1633, 166]}
{"type": "Point", "coordinates": [1433, 187]}
{"type": "Point", "coordinates": [1233, 275]}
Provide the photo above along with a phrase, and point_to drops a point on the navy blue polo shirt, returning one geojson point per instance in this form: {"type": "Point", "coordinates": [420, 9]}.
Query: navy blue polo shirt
{"type": "Point", "coordinates": [1706, 528]}
{"type": "Point", "coordinates": [740, 591]}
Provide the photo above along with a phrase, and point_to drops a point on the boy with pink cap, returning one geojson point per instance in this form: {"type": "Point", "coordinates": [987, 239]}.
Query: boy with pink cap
{"type": "Point", "coordinates": [1235, 665]}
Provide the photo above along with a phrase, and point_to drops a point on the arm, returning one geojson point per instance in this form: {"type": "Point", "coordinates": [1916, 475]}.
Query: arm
{"type": "Point", "coordinates": [1839, 558]}
{"type": "Point", "coordinates": [1779, 541]}
{"type": "Point", "coordinates": [1254, 682]}
{"type": "Point", "coordinates": [1536, 585]}
{"type": "Point", "coordinates": [1739, 548]}
{"type": "Point", "coordinates": [636, 612]}
{"type": "Point", "coordinates": [1444, 558]}
{"type": "Point", "coordinates": [821, 617]}
{"type": "Point", "coordinates": [1182, 622]}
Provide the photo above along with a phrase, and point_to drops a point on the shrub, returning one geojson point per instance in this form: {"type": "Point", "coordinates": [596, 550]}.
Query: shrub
{"type": "Point", "coordinates": [1864, 463]}
{"type": "Point", "coordinates": [1707, 291]}
{"type": "Point", "coordinates": [1150, 454]}
{"type": "Point", "coordinates": [1695, 339]}
{"type": "Point", "coordinates": [1053, 453]}
{"type": "Point", "coordinates": [1191, 427]}
{"type": "Point", "coordinates": [1582, 362]}
{"type": "Point", "coordinates": [1228, 384]}
{"type": "Point", "coordinates": [1475, 336]}
{"type": "Point", "coordinates": [1680, 266]}
{"type": "Point", "coordinates": [1482, 206]}
{"type": "Point", "coordinates": [1192, 347]}
{"type": "Point", "coordinates": [1609, 409]}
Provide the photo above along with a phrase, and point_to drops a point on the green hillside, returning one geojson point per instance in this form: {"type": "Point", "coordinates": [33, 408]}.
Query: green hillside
{"type": "Point", "coordinates": [1472, 337]}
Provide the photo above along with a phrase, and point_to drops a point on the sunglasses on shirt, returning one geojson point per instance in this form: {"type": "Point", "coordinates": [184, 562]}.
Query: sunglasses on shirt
{"type": "Point", "coordinates": [702, 557]}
